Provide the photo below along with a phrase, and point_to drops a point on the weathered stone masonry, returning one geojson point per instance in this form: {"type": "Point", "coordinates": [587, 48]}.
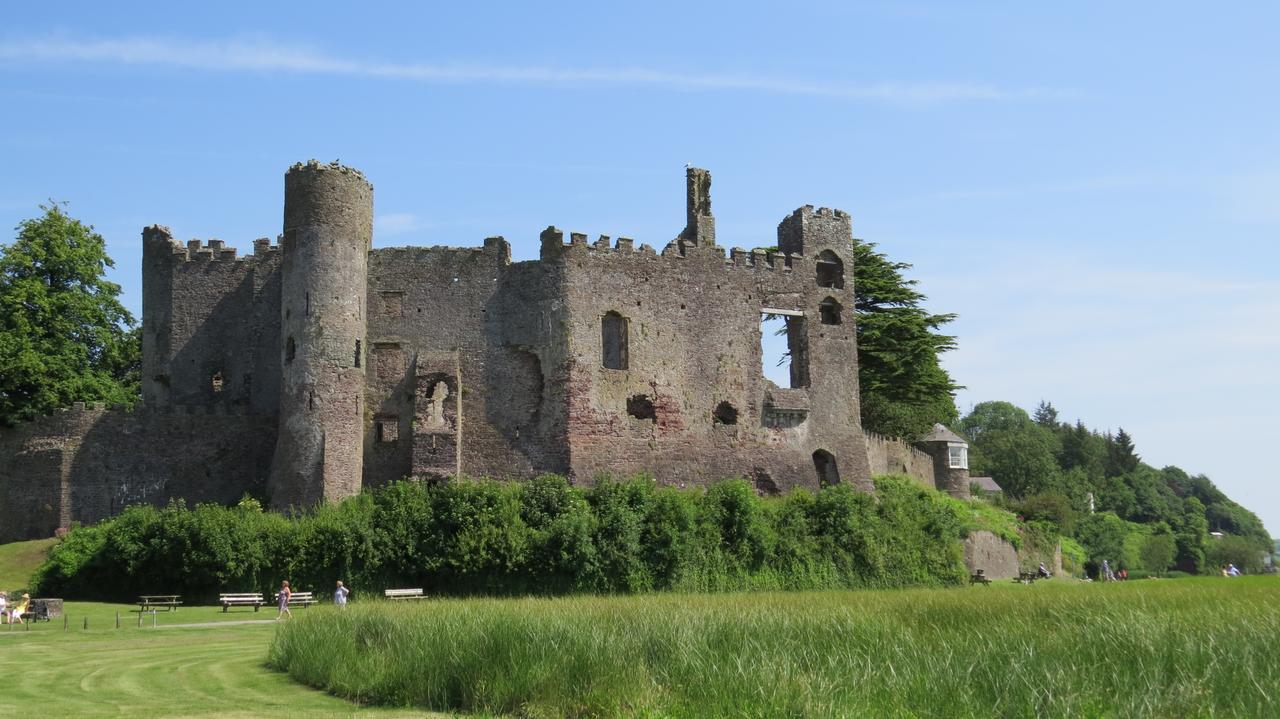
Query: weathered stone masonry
{"type": "Point", "coordinates": [316, 367]}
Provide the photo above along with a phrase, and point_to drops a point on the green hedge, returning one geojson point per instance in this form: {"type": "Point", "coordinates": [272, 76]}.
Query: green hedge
{"type": "Point", "coordinates": [540, 536]}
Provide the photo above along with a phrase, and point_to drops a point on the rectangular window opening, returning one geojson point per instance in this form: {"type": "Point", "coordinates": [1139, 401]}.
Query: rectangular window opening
{"type": "Point", "coordinates": [614, 341]}
{"type": "Point", "coordinates": [784, 349]}
{"type": "Point", "coordinates": [387, 429]}
{"type": "Point", "coordinates": [957, 457]}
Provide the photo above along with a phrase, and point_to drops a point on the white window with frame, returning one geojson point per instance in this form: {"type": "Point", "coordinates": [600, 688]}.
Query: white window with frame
{"type": "Point", "coordinates": [958, 456]}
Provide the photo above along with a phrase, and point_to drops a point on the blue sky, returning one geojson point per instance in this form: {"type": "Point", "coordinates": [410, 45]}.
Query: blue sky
{"type": "Point", "coordinates": [1096, 192]}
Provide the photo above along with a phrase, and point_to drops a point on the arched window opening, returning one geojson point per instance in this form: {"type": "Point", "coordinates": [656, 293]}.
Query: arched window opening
{"type": "Point", "coordinates": [830, 270]}
{"type": "Point", "coordinates": [725, 413]}
{"type": "Point", "coordinates": [613, 339]}
{"type": "Point", "coordinates": [290, 349]}
{"type": "Point", "coordinates": [829, 311]}
{"type": "Point", "coordinates": [825, 463]}
{"type": "Point", "coordinates": [641, 407]}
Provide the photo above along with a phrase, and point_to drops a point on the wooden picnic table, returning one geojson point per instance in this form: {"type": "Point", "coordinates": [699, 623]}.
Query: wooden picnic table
{"type": "Point", "coordinates": [170, 602]}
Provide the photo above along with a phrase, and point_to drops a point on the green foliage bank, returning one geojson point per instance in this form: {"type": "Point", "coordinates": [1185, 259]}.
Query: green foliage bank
{"type": "Point", "coordinates": [1094, 487]}
{"type": "Point", "coordinates": [540, 536]}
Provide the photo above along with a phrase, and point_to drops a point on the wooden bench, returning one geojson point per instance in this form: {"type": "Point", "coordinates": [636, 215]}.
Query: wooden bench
{"type": "Point", "coordinates": [1026, 577]}
{"type": "Point", "coordinates": [170, 602]}
{"type": "Point", "coordinates": [243, 599]}
{"type": "Point", "coordinates": [303, 598]}
{"type": "Point", "coordinates": [979, 578]}
{"type": "Point", "coordinates": [404, 594]}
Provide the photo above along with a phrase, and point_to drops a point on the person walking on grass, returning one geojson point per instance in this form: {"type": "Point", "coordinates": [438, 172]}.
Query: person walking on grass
{"type": "Point", "coordinates": [282, 597]}
{"type": "Point", "coordinates": [4, 608]}
{"type": "Point", "coordinates": [340, 595]}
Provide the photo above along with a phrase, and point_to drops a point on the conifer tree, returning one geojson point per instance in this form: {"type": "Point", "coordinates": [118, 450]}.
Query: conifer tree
{"type": "Point", "coordinates": [1121, 459]}
{"type": "Point", "coordinates": [904, 389]}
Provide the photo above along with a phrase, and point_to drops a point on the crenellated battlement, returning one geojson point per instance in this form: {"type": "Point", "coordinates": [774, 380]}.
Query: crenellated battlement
{"type": "Point", "coordinates": [494, 248]}
{"type": "Point", "coordinates": [554, 246]}
{"type": "Point", "coordinates": [766, 260]}
{"type": "Point", "coordinates": [315, 166]}
{"type": "Point", "coordinates": [201, 251]}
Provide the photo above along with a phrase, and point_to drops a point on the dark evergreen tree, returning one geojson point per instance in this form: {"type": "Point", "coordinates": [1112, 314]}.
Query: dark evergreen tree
{"type": "Point", "coordinates": [904, 388]}
{"type": "Point", "coordinates": [1121, 458]}
{"type": "Point", "coordinates": [1046, 415]}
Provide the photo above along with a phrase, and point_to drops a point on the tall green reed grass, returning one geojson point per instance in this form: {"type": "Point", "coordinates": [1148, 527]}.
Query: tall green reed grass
{"type": "Point", "coordinates": [1201, 647]}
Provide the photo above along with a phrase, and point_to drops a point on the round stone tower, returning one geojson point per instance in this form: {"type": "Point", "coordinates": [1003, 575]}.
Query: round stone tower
{"type": "Point", "coordinates": [328, 228]}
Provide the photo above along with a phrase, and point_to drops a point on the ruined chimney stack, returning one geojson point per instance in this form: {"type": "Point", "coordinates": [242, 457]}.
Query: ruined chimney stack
{"type": "Point", "coordinates": [700, 224]}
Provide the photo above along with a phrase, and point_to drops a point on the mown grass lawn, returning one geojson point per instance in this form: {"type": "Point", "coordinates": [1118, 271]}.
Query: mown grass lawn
{"type": "Point", "coordinates": [169, 671]}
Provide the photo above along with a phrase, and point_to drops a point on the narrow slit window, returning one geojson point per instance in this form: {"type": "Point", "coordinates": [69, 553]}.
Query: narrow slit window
{"type": "Point", "coordinates": [290, 349]}
{"type": "Point", "coordinates": [357, 353]}
{"type": "Point", "coordinates": [613, 338]}
{"type": "Point", "coordinates": [216, 382]}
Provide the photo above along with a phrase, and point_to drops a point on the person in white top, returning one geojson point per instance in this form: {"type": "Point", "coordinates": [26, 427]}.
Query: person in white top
{"type": "Point", "coordinates": [340, 595]}
{"type": "Point", "coordinates": [4, 608]}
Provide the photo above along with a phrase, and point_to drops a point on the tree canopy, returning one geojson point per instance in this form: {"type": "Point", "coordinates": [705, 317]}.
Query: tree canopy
{"type": "Point", "coordinates": [1094, 486]}
{"type": "Point", "coordinates": [64, 336]}
{"type": "Point", "coordinates": [904, 389]}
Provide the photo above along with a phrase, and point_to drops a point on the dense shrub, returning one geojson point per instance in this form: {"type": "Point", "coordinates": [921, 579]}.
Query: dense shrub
{"type": "Point", "coordinates": [540, 536]}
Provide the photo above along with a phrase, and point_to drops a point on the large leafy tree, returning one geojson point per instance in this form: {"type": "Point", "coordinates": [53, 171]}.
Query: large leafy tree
{"type": "Point", "coordinates": [64, 336]}
{"type": "Point", "coordinates": [904, 388]}
{"type": "Point", "coordinates": [1013, 449]}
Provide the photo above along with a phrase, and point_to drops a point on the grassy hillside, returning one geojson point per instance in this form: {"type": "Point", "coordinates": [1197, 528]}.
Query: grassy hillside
{"type": "Point", "coordinates": [1150, 648]}
{"type": "Point", "coordinates": [18, 560]}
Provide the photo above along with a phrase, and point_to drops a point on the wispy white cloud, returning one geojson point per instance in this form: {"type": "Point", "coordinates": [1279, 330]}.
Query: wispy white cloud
{"type": "Point", "coordinates": [398, 223]}
{"type": "Point", "coordinates": [238, 55]}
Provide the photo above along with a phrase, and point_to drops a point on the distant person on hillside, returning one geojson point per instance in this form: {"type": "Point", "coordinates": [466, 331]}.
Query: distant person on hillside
{"type": "Point", "coordinates": [283, 598]}
{"type": "Point", "coordinates": [1106, 571]}
{"type": "Point", "coordinates": [340, 595]}
{"type": "Point", "coordinates": [15, 616]}
{"type": "Point", "coordinates": [1232, 571]}
{"type": "Point", "coordinates": [4, 608]}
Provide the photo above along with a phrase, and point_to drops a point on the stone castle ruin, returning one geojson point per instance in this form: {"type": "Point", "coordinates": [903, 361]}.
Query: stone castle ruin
{"type": "Point", "coordinates": [319, 366]}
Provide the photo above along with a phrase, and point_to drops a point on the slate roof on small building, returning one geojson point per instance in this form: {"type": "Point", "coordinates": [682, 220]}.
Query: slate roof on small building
{"type": "Point", "coordinates": [942, 434]}
{"type": "Point", "coordinates": [986, 484]}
